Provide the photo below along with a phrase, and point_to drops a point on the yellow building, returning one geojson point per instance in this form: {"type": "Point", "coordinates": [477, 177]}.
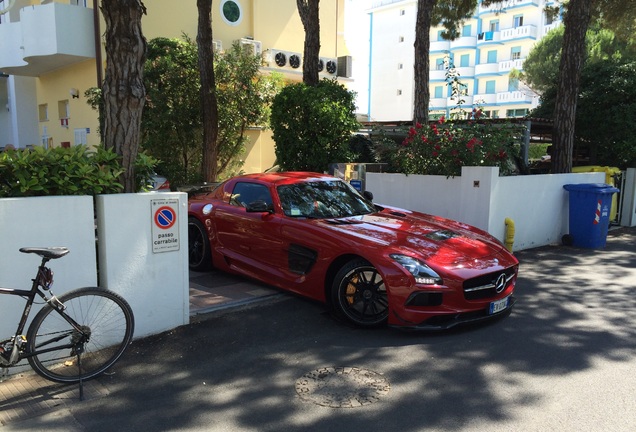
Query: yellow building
{"type": "Point", "coordinates": [48, 60]}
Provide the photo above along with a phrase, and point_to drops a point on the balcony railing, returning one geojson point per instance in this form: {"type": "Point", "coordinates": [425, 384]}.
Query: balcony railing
{"type": "Point", "coordinates": [496, 7]}
{"type": "Point", "coordinates": [514, 97]}
{"type": "Point", "coordinates": [508, 65]}
{"type": "Point", "coordinates": [47, 37]}
{"type": "Point", "coordinates": [489, 36]}
{"type": "Point", "coordinates": [526, 31]}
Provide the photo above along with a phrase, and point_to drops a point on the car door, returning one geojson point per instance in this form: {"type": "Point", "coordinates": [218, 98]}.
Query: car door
{"type": "Point", "coordinates": [250, 240]}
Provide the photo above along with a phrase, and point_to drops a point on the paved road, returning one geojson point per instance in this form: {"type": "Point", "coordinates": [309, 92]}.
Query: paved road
{"type": "Point", "coordinates": [565, 360]}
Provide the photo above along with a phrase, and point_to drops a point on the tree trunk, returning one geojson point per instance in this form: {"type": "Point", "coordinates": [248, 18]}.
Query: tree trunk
{"type": "Point", "coordinates": [123, 89]}
{"type": "Point", "coordinates": [209, 107]}
{"type": "Point", "coordinates": [308, 10]}
{"type": "Point", "coordinates": [421, 72]}
{"type": "Point", "coordinates": [576, 21]}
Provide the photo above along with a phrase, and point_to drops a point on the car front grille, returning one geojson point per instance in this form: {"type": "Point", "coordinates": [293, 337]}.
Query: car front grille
{"type": "Point", "coordinates": [485, 286]}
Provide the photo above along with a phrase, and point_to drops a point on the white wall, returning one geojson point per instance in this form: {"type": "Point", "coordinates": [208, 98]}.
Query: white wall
{"type": "Point", "coordinates": [537, 204]}
{"type": "Point", "coordinates": [44, 222]}
{"type": "Point", "coordinates": [156, 285]}
{"type": "Point", "coordinates": [628, 211]}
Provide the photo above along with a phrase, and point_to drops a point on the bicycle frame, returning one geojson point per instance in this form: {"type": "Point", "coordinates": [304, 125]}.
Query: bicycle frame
{"type": "Point", "coordinates": [30, 296]}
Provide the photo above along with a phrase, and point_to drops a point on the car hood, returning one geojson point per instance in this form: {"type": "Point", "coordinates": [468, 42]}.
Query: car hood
{"type": "Point", "coordinates": [445, 242]}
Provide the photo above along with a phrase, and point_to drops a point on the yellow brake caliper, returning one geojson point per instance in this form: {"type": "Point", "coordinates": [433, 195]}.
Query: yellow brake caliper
{"type": "Point", "coordinates": [351, 290]}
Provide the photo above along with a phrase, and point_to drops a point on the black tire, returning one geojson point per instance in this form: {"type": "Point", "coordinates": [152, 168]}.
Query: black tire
{"type": "Point", "coordinates": [359, 294]}
{"type": "Point", "coordinates": [104, 315]}
{"type": "Point", "coordinates": [199, 258]}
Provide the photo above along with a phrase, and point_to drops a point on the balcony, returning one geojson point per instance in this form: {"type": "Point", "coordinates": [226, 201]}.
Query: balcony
{"type": "Point", "coordinates": [487, 69]}
{"type": "Point", "coordinates": [488, 37]}
{"type": "Point", "coordinates": [437, 75]}
{"type": "Point", "coordinates": [467, 101]}
{"type": "Point", "coordinates": [464, 42]}
{"type": "Point", "coordinates": [440, 46]}
{"type": "Point", "coordinates": [47, 37]}
{"type": "Point", "coordinates": [437, 103]}
{"type": "Point", "coordinates": [513, 97]}
{"type": "Point", "coordinates": [508, 65]}
{"type": "Point", "coordinates": [465, 71]}
{"type": "Point", "coordinates": [508, 4]}
{"type": "Point", "coordinates": [526, 31]}
{"type": "Point", "coordinates": [485, 99]}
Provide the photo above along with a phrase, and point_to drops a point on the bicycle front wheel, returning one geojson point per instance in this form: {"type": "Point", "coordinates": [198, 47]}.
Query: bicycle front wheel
{"type": "Point", "coordinates": [106, 321]}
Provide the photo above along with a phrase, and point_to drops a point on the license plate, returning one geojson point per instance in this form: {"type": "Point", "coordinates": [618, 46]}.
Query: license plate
{"type": "Point", "coordinates": [498, 306]}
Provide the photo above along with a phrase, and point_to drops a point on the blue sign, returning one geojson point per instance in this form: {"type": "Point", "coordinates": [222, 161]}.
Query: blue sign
{"type": "Point", "coordinates": [357, 184]}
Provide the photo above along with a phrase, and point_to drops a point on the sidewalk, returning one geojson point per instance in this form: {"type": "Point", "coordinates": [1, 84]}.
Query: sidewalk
{"type": "Point", "coordinates": [26, 395]}
{"type": "Point", "coordinates": [28, 402]}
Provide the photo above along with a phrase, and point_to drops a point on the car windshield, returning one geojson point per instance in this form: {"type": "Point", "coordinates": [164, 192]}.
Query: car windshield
{"type": "Point", "coordinates": [322, 199]}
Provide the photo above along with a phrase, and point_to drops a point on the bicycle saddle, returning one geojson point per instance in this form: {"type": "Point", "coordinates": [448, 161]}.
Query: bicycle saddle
{"type": "Point", "coordinates": [50, 252]}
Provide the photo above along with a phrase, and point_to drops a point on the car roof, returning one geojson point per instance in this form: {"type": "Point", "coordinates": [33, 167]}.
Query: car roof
{"type": "Point", "coordinates": [286, 177]}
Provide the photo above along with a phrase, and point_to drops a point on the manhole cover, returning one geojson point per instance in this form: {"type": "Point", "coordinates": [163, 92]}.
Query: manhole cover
{"type": "Point", "coordinates": [342, 387]}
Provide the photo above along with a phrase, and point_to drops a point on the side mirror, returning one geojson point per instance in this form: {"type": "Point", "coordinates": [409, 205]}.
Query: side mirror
{"type": "Point", "coordinates": [368, 195]}
{"type": "Point", "coordinates": [259, 206]}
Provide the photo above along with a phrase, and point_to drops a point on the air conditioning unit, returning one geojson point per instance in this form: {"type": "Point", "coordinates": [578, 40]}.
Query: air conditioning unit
{"type": "Point", "coordinates": [257, 46]}
{"type": "Point", "coordinates": [330, 65]}
{"type": "Point", "coordinates": [295, 60]}
{"type": "Point", "coordinates": [217, 45]}
{"type": "Point", "coordinates": [279, 58]}
{"type": "Point", "coordinates": [344, 66]}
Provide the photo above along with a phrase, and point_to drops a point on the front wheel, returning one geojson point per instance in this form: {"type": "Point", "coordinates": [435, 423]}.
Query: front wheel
{"type": "Point", "coordinates": [359, 294]}
{"type": "Point", "coordinates": [106, 325]}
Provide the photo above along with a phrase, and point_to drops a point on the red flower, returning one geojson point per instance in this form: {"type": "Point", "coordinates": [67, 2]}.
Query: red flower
{"type": "Point", "coordinates": [441, 120]}
{"type": "Point", "coordinates": [418, 125]}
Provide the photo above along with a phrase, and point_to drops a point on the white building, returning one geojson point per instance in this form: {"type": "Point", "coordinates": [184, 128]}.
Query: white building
{"type": "Point", "coordinates": [493, 43]}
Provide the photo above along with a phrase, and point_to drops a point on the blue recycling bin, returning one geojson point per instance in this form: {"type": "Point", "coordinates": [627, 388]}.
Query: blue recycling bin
{"type": "Point", "coordinates": [590, 207]}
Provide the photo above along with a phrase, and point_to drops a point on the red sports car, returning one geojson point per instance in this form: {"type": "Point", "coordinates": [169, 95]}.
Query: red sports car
{"type": "Point", "coordinates": [315, 235]}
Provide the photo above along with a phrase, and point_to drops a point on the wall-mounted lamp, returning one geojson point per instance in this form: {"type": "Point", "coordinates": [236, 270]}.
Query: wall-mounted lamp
{"type": "Point", "coordinates": [74, 93]}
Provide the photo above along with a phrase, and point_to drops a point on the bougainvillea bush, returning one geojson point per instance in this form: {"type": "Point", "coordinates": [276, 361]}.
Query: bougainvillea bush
{"type": "Point", "coordinates": [442, 148]}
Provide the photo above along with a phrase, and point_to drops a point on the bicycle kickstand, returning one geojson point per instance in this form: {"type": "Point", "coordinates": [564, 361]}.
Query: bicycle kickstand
{"type": "Point", "coordinates": [79, 369]}
{"type": "Point", "coordinates": [4, 373]}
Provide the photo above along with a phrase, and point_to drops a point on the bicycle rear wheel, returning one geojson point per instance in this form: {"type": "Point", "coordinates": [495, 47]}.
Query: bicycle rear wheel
{"type": "Point", "coordinates": [103, 315]}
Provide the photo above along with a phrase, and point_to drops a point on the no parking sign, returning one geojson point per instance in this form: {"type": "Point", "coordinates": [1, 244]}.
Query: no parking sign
{"type": "Point", "coordinates": [165, 225]}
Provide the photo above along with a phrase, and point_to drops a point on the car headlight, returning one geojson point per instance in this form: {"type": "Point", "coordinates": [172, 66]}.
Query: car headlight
{"type": "Point", "coordinates": [422, 273]}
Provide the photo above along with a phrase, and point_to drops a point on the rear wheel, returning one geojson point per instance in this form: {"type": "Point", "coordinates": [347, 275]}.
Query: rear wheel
{"type": "Point", "coordinates": [106, 325]}
{"type": "Point", "coordinates": [199, 258]}
{"type": "Point", "coordinates": [359, 294]}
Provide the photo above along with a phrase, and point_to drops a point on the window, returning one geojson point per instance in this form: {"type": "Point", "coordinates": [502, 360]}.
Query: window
{"type": "Point", "coordinates": [401, 39]}
{"type": "Point", "coordinates": [515, 53]}
{"type": "Point", "coordinates": [399, 92]}
{"type": "Point", "coordinates": [439, 64]}
{"type": "Point", "coordinates": [402, 12]}
{"type": "Point", "coordinates": [400, 66]}
{"type": "Point", "coordinates": [246, 193]}
{"type": "Point", "coordinates": [517, 21]}
{"type": "Point", "coordinates": [517, 112]}
{"type": "Point", "coordinates": [63, 109]}
{"type": "Point", "coordinates": [79, 2]}
{"type": "Point", "coordinates": [439, 92]}
{"type": "Point", "coordinates": [464, 60]}
{"type": "Point", "coordinates": [466, 30]}
{"type": "Point", "coordinates": [440, 35]}
{"type": "Point", "coordinates": [490, 87]}
{"type": "Point", "coordinates": [231, 12]}
{"type": "Point", "coordinates": [43, 112]}
{"type": "Point", "coordinates": [494, 25]}
{"type": "Point", "coordinates": [492, 56]}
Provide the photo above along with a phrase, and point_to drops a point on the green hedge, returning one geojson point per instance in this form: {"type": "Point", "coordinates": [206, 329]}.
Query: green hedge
{"type": "Point", "coordinates": [63, 171]}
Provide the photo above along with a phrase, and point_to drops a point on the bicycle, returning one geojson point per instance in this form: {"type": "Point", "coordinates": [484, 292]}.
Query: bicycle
{"type": "Point", "coordinates": [74, 337]}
